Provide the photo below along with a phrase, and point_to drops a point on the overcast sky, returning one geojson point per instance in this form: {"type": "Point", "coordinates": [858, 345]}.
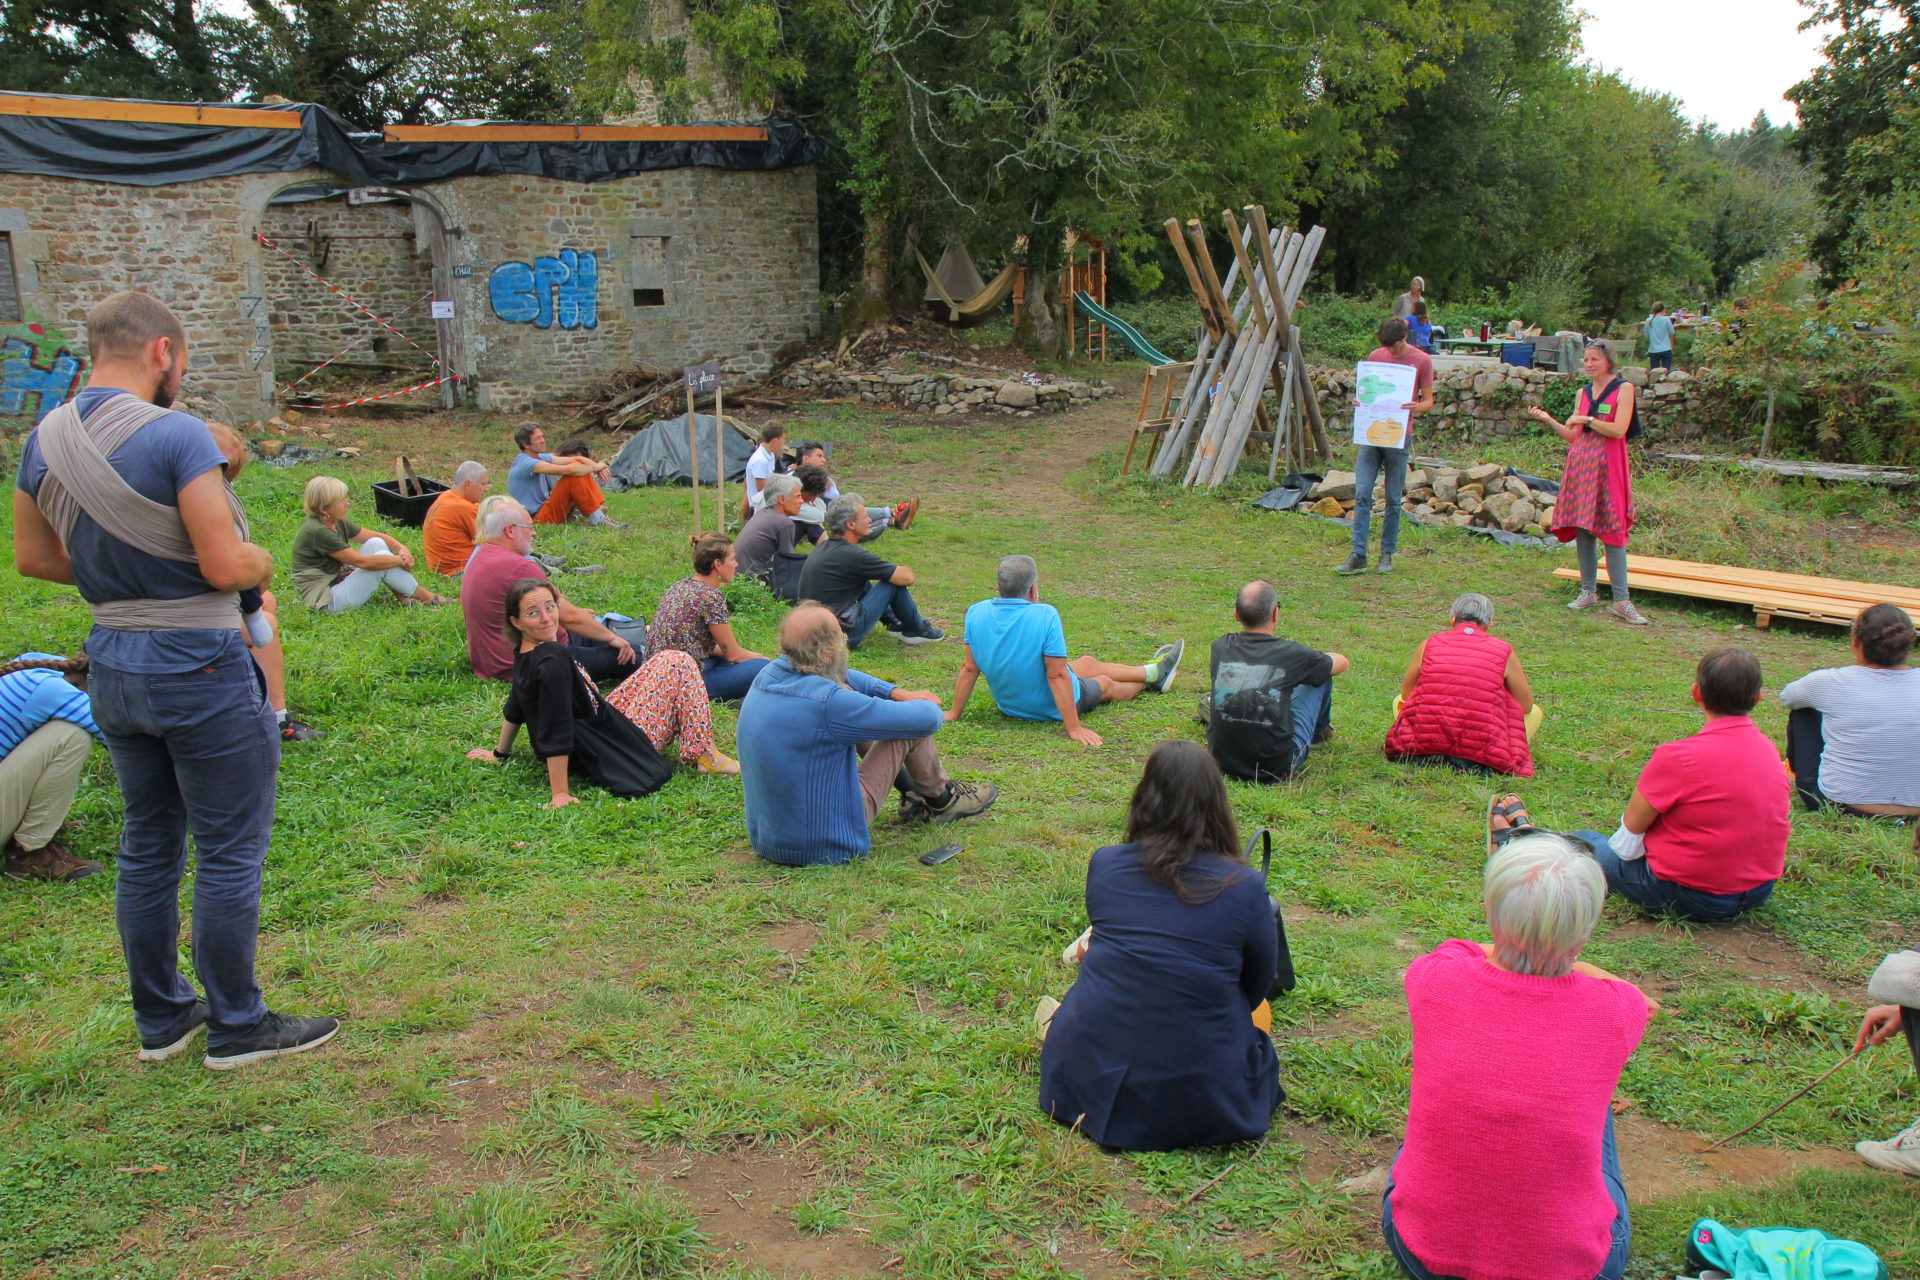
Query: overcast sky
{"type": "Point", "coordinates": [1724, 59]}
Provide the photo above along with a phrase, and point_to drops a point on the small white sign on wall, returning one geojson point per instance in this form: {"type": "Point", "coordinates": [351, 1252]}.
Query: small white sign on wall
{"type": "Point", "coordinates": [442, 310]}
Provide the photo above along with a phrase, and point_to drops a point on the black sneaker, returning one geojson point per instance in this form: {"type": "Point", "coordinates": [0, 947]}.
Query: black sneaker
{"type": "Point", "coordinates": [964, 800]}
{"type": "Point", "coordinates": [292, 730]}
{"type": "Point", "coordinates": [160, 1048]}
{"type": "Point", "coordinates": [272, 1036]}
{"type": "Point", "coordinates": [1352, 564]}
{"type": "Point", "coordinates": [552, 564]}
{"type": "Point", "coordinates": [914, 807]}
{"type": "Point", "coordinates": [927, 634]}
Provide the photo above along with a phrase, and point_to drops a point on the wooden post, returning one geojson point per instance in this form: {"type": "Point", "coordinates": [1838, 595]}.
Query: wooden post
{"type": "Point", "coordinates": [693, 461]}
{"type": "Point", "coordinates": [1766, 433]}
{"type": "Point", "coordinates": [720, 464]}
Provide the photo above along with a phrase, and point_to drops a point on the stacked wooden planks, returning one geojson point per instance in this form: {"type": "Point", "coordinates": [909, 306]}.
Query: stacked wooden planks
{"type": "Point", "coordinates": [1249, 342]}
{"type": "Point", "coordinates": [1772, 595]}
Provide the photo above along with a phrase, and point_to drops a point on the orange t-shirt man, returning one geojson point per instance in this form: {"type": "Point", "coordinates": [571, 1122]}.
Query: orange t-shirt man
{"type": "Point", "coordinates": [451, 528]}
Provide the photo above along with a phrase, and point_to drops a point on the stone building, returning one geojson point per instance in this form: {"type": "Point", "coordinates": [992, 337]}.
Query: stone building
{"type": "Point", "coordinates": [514, 263]}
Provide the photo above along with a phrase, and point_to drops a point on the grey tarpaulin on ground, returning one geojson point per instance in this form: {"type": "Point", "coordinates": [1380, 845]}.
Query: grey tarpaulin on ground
{"type": "Point", "coordinates": [658, 455]}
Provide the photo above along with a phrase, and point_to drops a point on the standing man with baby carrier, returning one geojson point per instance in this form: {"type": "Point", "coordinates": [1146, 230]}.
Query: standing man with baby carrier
{"type": "Point", "coordinates": [125, 498]}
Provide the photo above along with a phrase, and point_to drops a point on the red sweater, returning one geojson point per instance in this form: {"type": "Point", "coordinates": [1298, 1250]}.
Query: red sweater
{"type": "Point", "coordinates": [1461, 706]}
{"type": "Point", "coordinates": [1512, 1077]}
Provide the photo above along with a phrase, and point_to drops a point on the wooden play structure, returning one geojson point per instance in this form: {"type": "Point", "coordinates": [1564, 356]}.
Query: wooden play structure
{"type": "Point", "coordinates": [1248, 343]}
{"type": "Point", "coordinates": [1084, 277]}
{"type": "Point", "coordinates": [1771, 595]}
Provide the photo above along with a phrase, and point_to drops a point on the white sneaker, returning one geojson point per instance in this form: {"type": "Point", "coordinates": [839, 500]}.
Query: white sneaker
{"type": "Point", "coordinates": [1043, 1017]}
{"type": "Point", "coordinates": [1900, 1153]}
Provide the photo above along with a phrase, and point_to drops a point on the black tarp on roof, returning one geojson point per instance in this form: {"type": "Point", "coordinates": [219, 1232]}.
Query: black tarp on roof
{"type": "Point", "coordinates": [149, 154]}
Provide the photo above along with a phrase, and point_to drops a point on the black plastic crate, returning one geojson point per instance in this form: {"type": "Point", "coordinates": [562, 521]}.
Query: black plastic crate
{"type": "Point", "coordinates": [411, 509]}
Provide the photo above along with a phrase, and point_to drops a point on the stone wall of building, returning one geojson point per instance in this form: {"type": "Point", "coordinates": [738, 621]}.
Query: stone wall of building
{"type": "Point", "coordinates": [371, 252]}
{"type": "Point", "coordinates": [552, 283]}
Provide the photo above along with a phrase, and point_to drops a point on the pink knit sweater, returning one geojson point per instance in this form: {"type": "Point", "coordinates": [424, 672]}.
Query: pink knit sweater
{"type": "Point", "coordinates": [1512, 1076]}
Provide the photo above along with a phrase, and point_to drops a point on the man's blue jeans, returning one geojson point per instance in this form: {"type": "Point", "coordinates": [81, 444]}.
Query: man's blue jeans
{"type": "Point", "coordinates": [1312, 714]}
{"type": "Point", "coordinates": [1367, 467]}
{"type": "Point", "coordinates": [1634, 880]}
{"type": "Point", "coordinates": [1612, 1269]}
{"type": "Point", "coordinates": [729, 681]}
{"type": "Point", "coordinates": [885, 600]}
{"type": "Point", "coordinates": [195, 751]}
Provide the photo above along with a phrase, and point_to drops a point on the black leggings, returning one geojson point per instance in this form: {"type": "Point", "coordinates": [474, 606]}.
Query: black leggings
{"type": "Point", "coordinates": [1910, 1023]}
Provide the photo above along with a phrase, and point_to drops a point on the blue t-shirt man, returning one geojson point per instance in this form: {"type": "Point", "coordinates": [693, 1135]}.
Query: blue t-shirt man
{"type": "Point", "coordinates": [1010, 639]}
{"type": "Point", "coordinates": [528, 487]}
{"type": "Point", "coordinates": [160, 460]}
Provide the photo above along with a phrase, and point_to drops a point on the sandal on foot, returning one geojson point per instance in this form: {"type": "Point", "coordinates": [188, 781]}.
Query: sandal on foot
{"type": "Point", "coordinates": [1512, 810]}
{"type": "Point", "coordinates": [714, 762]}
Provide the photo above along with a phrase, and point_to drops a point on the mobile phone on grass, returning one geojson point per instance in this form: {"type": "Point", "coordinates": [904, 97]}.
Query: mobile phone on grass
{"type": "Point", "coordinates": [934, 857]}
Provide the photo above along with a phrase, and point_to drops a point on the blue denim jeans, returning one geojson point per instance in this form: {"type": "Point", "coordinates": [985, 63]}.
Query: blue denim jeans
{"type": "Point", "coordinates": [194, 751]}
{"type": "Point", "coordinates": [1312, 712]}
{"type": "Point", "coordinates": [1612, 1269]}
{"type": "Point", "coordinates": [1367, 467]}
{"type": "Point", "coordinates": [1634, 880]}
{"type": "Point", "coordinates": [885, 600]}
{"type": "Point", "coordinates": [729, 681]}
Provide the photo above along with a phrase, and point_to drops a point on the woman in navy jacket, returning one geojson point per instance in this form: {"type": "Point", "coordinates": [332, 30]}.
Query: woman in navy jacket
{"type": "Point", "coordinates": [1155, 1047]}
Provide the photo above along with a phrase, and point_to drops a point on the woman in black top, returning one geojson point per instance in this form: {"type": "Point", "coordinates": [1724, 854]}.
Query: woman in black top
{"type": "Point", "coordinates": [1156, 1047]}
{"type": "Point", "coordinates": [569, 724]}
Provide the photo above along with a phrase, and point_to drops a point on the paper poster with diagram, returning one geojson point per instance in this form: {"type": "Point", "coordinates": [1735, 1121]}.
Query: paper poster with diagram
{"type": "Point", "coordinates": [1381, 388]}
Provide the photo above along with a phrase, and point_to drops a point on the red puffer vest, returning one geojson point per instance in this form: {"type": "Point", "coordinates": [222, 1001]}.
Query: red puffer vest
{"type": "Point", "coordinates": [1461, 707]}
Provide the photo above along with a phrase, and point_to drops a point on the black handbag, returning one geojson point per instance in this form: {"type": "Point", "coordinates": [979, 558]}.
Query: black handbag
{"type": "Point", "coordinates": [1283, 979]}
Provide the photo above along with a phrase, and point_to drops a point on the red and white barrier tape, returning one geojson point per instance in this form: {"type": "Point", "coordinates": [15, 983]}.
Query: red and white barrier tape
{"type": "Point", "coordinates": [350, 346]}
{"type": "Point", "coordinates": [344, 294]}
{"type": "Point", "coordinates": [385, 395]}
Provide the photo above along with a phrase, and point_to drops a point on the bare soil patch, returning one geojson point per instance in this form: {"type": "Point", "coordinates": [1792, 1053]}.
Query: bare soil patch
{"type": "Point", "coordinates": [1658, 1161]}
{"type": "Point", "coordinates": [745, 1199]}
{"type": "Point", "coordinates": [1750, 952]}
{"type": "Point", "coordinates": [793, 939]}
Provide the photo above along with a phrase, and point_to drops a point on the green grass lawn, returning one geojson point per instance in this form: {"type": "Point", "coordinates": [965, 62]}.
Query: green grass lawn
{"type": "Point", "coordinates": [609, 1041]}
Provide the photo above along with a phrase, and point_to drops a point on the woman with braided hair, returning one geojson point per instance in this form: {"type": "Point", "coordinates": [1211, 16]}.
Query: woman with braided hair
{"type": "Point", "coordinates": [46, 730]}
{"type": "Point", "coordinates": [1850, 739]}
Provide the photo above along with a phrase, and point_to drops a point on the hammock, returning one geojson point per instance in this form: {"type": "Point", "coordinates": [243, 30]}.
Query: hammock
{"type": "Point", "coordinates": [978, 305]}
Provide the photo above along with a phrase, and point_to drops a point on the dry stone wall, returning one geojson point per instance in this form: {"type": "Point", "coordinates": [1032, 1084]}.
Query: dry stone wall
{"type": "Point", "coordinates": [1486, 403]}
{"type": "Point", "coordinates": [943, 393]}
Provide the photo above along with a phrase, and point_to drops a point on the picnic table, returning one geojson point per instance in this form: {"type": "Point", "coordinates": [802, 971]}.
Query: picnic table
{"type": "Point", "coordinates": [1474, 346]}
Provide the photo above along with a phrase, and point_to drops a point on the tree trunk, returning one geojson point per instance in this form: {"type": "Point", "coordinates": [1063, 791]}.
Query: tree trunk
{"type": "Point", "coordinates": [1040, 329]}
{"type": "Point", "coordinates": [876, 271]}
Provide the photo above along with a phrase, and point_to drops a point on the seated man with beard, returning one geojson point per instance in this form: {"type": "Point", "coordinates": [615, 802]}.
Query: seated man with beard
{"type": "Point", "coordinates": [821, 745]}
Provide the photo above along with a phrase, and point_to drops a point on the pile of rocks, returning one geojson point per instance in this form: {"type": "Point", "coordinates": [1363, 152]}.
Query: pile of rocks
{"type": "Point", "coordinates": [1487, 496]}
{"type": "Point", "coordinates": [929, 392]}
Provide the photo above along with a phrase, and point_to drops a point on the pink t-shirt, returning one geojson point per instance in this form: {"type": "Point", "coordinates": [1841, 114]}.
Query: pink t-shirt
{"type": "Point", "coordinates": [483, 603]}
{"type": "Point", "coordinates": [1500, 1177]}
{"type": "Point", "coordinates": [1723, 799]}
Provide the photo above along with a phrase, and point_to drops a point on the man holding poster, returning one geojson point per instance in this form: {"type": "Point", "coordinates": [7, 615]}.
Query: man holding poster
{"type": "Point", "coordinates": [1390, 386]}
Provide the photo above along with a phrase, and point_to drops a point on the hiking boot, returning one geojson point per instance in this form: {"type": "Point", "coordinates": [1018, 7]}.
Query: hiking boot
{"type": "Point", "coordinates": [1585, 600]}
{"type": "Point", "coordinates": [1900, 1153]}
{"type": "Point", "coordinates": [272, 1036]}
{"type": "Point", "coordinates": [1624, 610]}
{"type": "Point", "coordinates": [552, 564]}
{"type": "Point", "coordinates": [601, 520]}
{"type": "Point", "coordinates": [904, 513]}
{"type": "Point", "coordinates": [1352, 564]}
{"type": "Point", "coordinates": [292, 730]}
{"type": "Point", "coordinates": [1165, 665]}
{"type": "Point", "coordinates": [1320, 736]}
{"type": "Point", "coordinates": [49, 862]}
{"type": "Point", "coordinates": [161, 1047]}
{"type": "Point", "coordinates": [927, 634]}
{"type": "Point", "coordinates": [964, 800]}
{"type": "Point", "coordinates": [589, 569]}
{"type": "Point", "coordinates": [1386, 563]}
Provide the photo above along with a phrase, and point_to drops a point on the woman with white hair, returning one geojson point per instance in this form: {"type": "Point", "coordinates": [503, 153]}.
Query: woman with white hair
{"type": "Point", "coordinates": [338, 565]}
{"type": "Point", "coordinates": [1465, 700]}
{"type": "Point", "coordinates": [1509, 1167]}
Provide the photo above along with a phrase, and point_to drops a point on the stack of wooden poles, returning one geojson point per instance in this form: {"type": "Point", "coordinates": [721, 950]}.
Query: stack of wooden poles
{"type": "Point", "coordinates": [1249, 341]}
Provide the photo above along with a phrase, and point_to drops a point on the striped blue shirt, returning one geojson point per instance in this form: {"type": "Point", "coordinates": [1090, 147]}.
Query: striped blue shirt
{"type": "Point", "coordinates": [28, 699]}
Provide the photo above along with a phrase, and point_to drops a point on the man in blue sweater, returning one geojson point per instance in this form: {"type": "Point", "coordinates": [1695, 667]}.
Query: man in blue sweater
{"type": "Point", "coordinates": [821, 745]}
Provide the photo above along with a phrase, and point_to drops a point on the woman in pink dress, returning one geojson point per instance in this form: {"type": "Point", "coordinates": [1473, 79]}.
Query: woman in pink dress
{"type": "Point", "coordinates": [1596, 491]}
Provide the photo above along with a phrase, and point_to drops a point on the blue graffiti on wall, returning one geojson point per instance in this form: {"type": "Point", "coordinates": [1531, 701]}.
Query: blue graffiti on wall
{"type": "Point", "coordinates": [25, 371]}
{"type": "Point", "coordinates": [563, 290]}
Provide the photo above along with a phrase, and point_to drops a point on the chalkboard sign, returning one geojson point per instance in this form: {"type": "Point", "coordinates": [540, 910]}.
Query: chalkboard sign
{"type": "Point", "coordinates": [702, 377]}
